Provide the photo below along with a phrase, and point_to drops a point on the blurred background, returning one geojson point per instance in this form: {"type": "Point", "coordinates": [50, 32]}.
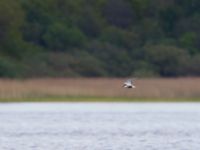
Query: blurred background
{"type": "Point", "coordinates": [102, 38]}
{"type": "Point", "coordinates": [83, 51]}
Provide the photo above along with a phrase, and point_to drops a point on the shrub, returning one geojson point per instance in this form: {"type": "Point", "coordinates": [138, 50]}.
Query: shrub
{"type": "Point", "coordinates": [60, 37]}
{"type": "Point", "coordinates": [168, 59]}
{"type": "Point", "coordinates": [8, 68]}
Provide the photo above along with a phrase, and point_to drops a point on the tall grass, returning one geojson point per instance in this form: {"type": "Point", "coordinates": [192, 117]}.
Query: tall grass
{"type": "Point", "coordinates": [100, 87]}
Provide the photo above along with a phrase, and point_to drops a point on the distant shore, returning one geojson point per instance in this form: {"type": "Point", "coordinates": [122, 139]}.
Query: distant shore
{"type": "Point", "coordinates": [99, 89]}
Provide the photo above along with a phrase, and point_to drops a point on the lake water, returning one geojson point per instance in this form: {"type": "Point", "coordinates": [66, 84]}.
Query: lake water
{"type": "Point", "coordinates": [100, 126]}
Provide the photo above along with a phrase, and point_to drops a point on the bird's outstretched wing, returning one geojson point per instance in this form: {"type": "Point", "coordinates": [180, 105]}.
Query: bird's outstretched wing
{"type": "Point", "coordinates": [128, 82]}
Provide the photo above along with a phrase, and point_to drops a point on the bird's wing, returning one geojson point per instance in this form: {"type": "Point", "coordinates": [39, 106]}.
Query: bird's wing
{"type": "Point", "coordinates": [128, 82]}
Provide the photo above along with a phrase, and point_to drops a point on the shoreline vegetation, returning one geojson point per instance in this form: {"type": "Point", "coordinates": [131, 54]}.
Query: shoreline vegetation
{"type": "Point", "coordinates": [102, 38]}
{"type": "Point", "coordinates": [97, 99]}
{"type": "Point", "coordinates": [99, 90]}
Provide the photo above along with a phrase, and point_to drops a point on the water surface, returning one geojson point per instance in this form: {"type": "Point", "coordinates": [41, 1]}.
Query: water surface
{"type": "Point", "coordinates": [100, 126]}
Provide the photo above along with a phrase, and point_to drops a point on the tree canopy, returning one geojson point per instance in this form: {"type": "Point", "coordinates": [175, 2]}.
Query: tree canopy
{"type": "Point", "coordinates": [112, 38]}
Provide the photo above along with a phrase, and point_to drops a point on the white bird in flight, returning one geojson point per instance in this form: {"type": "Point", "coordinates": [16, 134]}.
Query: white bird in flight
{"type": "Point", "coordinates": [128, 84]}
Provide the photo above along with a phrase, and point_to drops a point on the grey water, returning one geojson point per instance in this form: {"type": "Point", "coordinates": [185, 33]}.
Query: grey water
{"type": "Point", "coordinates": [100, 126]}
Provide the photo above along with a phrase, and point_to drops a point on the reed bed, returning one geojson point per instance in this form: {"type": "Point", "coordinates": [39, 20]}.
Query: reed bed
{"type": "Point", "coordinates": [99, 87]}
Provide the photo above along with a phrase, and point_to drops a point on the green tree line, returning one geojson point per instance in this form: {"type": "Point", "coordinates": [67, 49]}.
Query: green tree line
{"type": "Point", "coordinates": [111, 38]}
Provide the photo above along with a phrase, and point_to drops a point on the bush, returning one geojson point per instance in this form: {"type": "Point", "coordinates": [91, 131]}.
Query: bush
{"type": "Point", "coordinates": [120, 38]}
{"type": "Point", "coordinates": [192, 66]}
{"type": "Point", "coordinates": [189, 41]}
{"type": "Point", "coordinates": [60, 37]}
{"type": "Point", "coordinates": [8, 68]}
{"type": "Point", "coordinates": [87, 65]}
{"type": "Point", "coordinates": [168, 59]}
{"type": "Point", "coordinates": [117, 61]}
{"type": "Point", "coordinates": [144, 69]}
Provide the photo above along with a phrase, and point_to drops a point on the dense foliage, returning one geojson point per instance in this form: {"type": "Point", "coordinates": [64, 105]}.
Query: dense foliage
{"type": "Point", "coordinates": [99, 38]}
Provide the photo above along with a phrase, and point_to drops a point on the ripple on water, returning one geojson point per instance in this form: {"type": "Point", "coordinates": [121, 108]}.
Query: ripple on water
{"type": "Point", "coordinates": [107, 126]}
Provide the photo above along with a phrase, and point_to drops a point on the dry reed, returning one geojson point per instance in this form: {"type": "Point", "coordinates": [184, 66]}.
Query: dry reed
{"type": "Point", "coordinates": [100, 87]}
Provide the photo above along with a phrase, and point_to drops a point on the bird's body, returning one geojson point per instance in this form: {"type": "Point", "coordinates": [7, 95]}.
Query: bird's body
{"type": "Point", "coordinates": [128, 84]}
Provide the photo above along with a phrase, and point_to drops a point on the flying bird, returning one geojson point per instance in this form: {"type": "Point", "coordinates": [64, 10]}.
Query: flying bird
{"type": "Point", "coordinates": [128, 84]}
